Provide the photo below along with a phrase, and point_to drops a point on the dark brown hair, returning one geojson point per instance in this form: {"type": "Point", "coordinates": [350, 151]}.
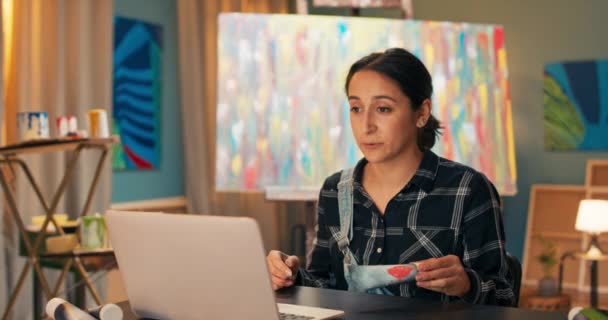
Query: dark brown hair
{"type": "Point", "coordinates": [412, 77]}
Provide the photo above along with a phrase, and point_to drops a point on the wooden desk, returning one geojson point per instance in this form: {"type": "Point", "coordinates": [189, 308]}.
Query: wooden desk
{"type": "Point", "coordinates": [365, 306]}
{"type": "Point", "coordinates": [557, 303]}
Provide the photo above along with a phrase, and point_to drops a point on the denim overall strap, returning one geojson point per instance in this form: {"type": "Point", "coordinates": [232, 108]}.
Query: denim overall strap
{"type": "Point", "coordinates": [370, 279]}
{"type": "Point", "coordinates": [345, 205]}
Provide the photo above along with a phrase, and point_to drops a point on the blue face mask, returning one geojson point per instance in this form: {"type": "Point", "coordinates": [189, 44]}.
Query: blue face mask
{"type": "Point", "coordinates": [368, 278]}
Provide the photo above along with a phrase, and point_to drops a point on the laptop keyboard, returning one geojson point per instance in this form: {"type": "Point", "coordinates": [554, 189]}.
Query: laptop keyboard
{"type": "Point", "coordinates": [289, 316]}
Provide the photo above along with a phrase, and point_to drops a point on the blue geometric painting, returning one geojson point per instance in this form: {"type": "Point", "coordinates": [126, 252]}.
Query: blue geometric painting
{"type": "Point", "coordinates": [576, 105]}
{"type": "Point", "coordinates": [138, 49]}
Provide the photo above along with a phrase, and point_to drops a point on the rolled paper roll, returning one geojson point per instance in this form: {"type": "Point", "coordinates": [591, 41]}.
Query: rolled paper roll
{"type": "Point", "coordinates": [59, 309]}
{"type": "Point", "coordinates": [364, 277]}
{"type": "Point", "coordinates": [108, 311]}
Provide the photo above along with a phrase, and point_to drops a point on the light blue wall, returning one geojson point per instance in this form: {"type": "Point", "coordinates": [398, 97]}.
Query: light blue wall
{"type": "Point", "coordinates": [168, 181]}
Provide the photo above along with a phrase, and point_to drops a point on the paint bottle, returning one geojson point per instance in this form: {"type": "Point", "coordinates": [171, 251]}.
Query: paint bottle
{"type": "Point", "coordinates": [32, 125]}
{"type": "Point", "coordinates": [98, 123]}
{"type": "Point", "coordinates": [94, 233]}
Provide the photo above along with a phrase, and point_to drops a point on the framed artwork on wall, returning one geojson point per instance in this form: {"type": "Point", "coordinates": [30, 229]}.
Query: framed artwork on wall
{"type": "Point", "coordinates": [575, 96]}
{"type": "Point", "coordinates": [137, 94]}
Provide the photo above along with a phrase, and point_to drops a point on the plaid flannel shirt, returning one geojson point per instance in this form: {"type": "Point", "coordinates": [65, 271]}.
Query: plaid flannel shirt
{"type": "Point", "coordinates": [446, 208]}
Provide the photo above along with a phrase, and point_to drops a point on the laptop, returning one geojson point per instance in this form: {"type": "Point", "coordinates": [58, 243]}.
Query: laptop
{"type": "Point", "coordinates": [177, 266]}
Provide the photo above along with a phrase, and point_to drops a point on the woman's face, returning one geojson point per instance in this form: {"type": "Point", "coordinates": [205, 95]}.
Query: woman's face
{"type": "Point", "coordinates": [382, 118]}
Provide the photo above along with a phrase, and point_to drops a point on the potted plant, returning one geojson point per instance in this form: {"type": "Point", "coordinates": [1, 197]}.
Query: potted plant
{"type": "Point", "coordinates": [547, 286]}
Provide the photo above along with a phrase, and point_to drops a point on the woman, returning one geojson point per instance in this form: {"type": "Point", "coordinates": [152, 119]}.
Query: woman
{"type": "Point", "coordinates": [408, 205]}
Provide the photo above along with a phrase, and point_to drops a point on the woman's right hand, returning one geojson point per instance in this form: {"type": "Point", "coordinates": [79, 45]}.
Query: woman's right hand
{"type": "Point", "coordinates": [283, 269]}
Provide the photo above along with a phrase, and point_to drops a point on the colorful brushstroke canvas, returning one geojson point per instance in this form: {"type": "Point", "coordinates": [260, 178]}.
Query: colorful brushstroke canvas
{"type": "Point", "coordinates": [283, 116]}
{"type": "Point", "coordinates": [576, 105]}
{"type": "Point", "coordinates": [137, 77]}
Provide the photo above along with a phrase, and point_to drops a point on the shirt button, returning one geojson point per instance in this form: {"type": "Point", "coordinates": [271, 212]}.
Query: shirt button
{"type": "Point", "coordinates": [379, 250]}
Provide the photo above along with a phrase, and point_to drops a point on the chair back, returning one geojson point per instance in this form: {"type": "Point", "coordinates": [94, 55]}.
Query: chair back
{"type": "Point", "coordinates": [515, 271]}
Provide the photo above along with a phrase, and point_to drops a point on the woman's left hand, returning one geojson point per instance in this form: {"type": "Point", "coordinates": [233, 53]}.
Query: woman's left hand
{"type": "Point", "coordinates": [445, 275]}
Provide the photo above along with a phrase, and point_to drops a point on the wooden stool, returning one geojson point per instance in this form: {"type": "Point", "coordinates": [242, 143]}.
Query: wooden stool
{"type": "Point", "coordinates": [555, 303]}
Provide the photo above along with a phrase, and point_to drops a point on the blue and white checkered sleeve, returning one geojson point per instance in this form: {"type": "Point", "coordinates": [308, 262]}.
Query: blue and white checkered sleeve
{"type": "Point", "coordinates": [317, 271]}
{"type": "Point", "coordinates": [485, 259]}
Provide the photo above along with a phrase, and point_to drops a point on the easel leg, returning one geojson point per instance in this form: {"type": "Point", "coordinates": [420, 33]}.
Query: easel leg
{"type": "Point", "coordinates": [37, 298]}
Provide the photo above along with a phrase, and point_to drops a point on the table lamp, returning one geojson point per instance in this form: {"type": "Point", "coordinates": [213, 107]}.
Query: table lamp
{"type": "Point", "coordinates": [592, 218]}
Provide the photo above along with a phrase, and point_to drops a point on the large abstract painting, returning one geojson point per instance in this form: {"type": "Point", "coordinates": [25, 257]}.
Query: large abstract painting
{"type": "Point", "coordinates": [137, 92]}
{"type": "Point", "coordinates": [576, 105]}
{"type": "Point", "coordinates": [283, 117]}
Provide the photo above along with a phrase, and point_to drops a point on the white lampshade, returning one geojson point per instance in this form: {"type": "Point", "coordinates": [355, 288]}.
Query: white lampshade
{"type": "Point", "coordinates": [592, 216]}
